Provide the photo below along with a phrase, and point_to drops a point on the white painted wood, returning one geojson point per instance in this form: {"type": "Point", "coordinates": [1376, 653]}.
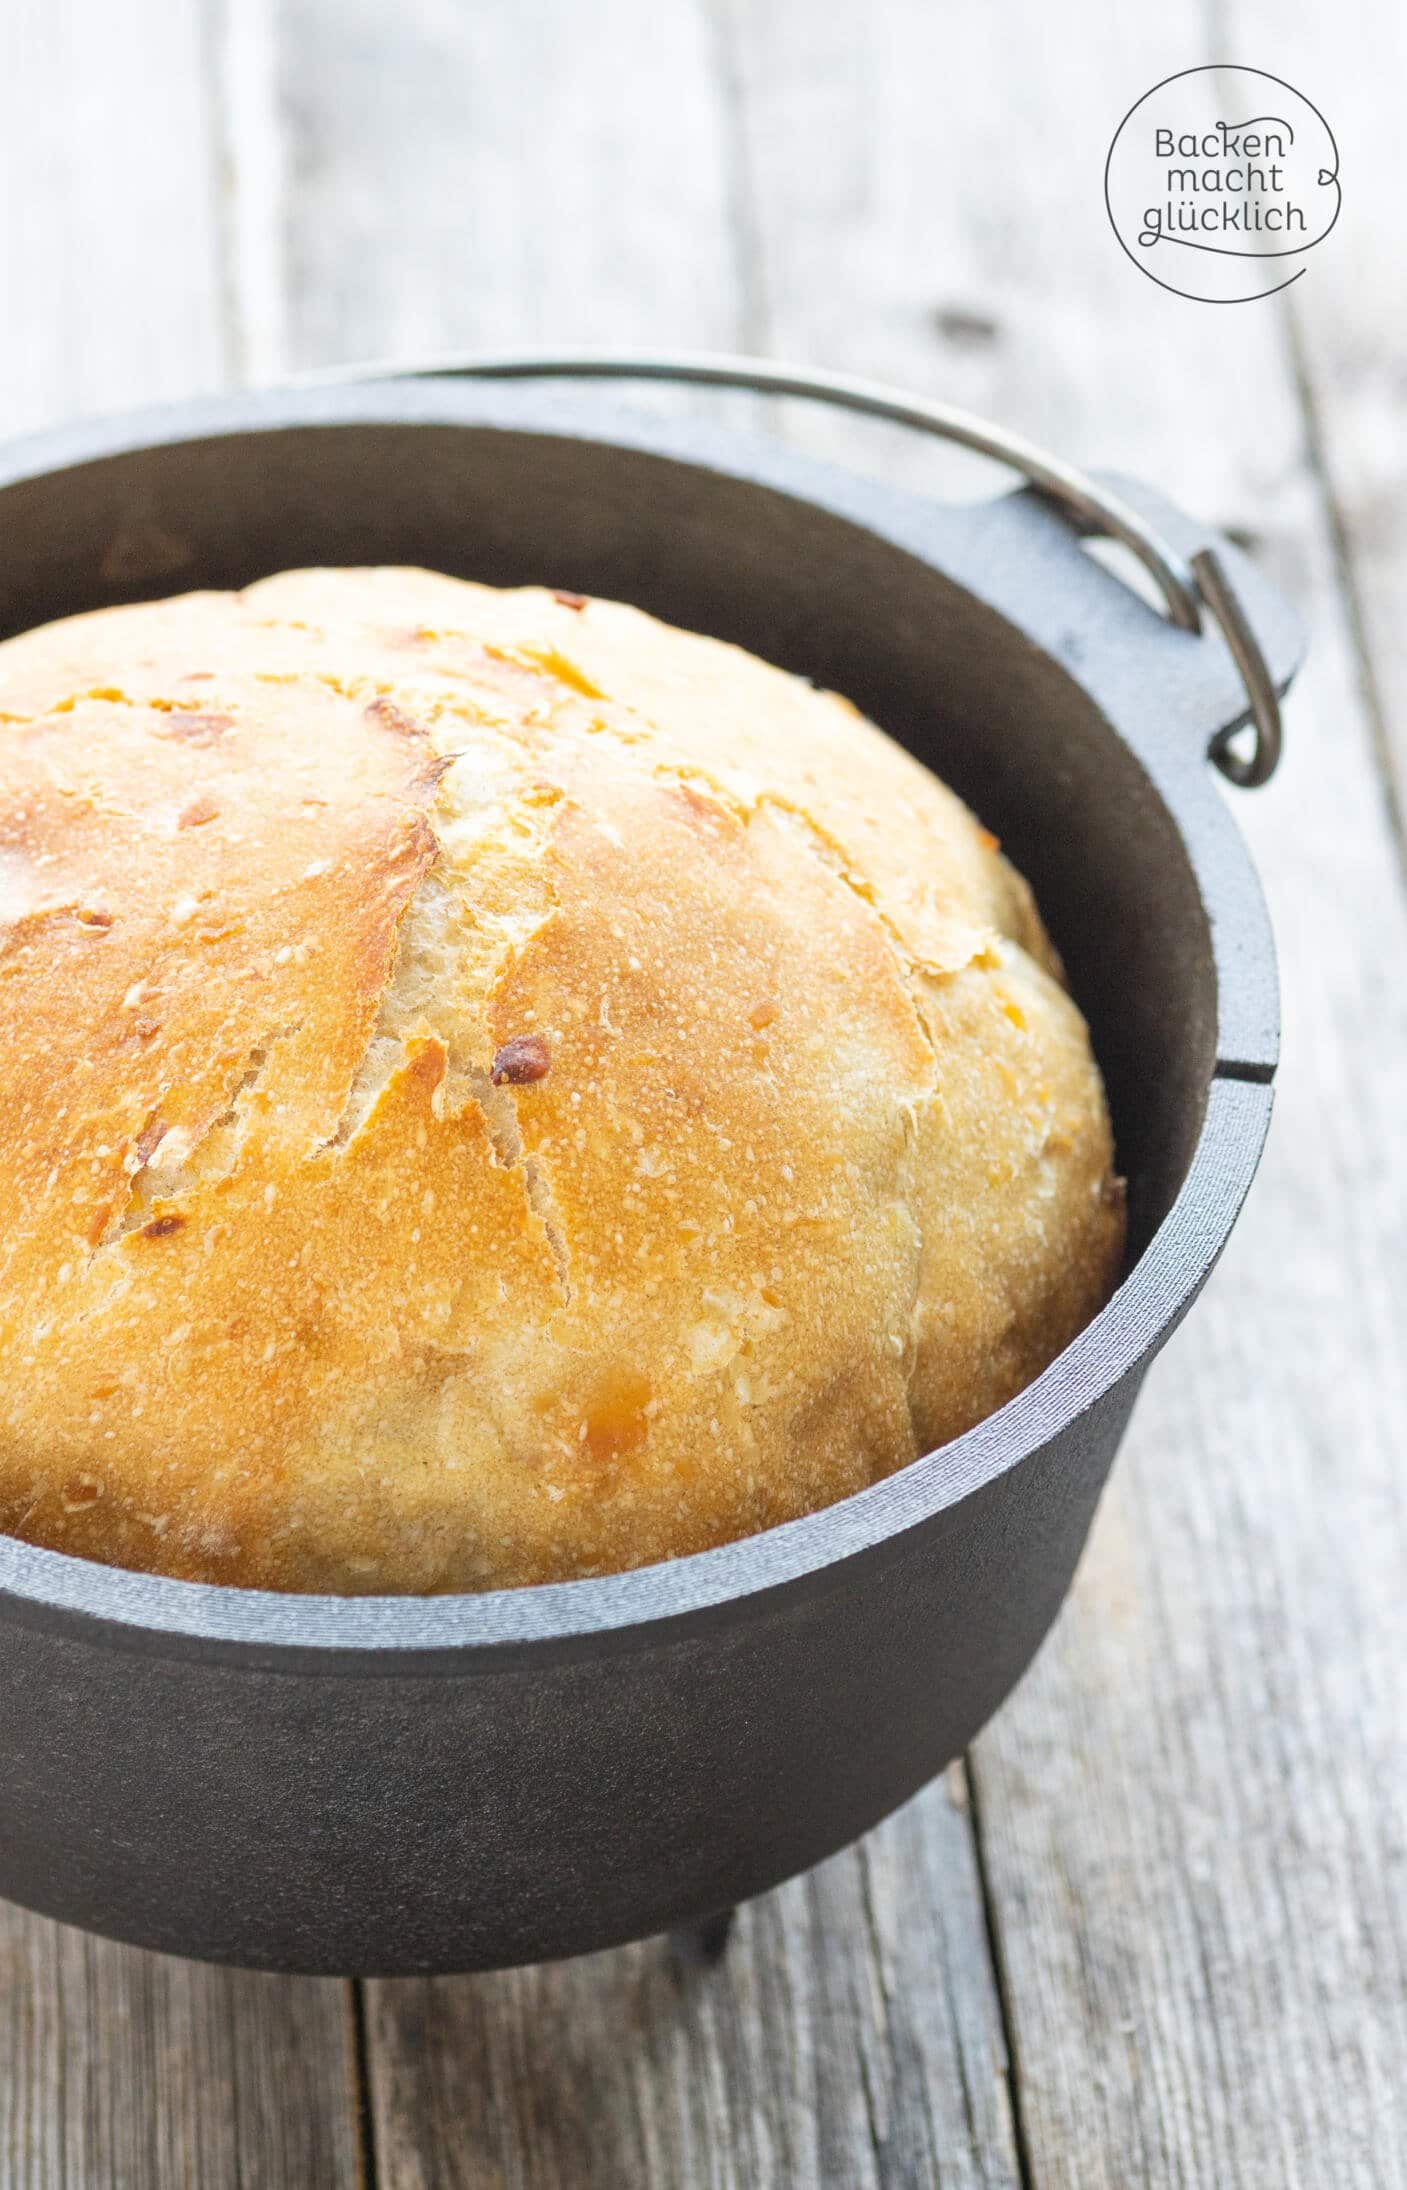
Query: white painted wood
{"type": "Point", "coordinates": [1349, 313]}
{"type": "Point", "coordinates": [483, 176]}
{"type": "Point", "coordinates": [109, 209]}
{"type": "Point", "coordinates": [250, 147]}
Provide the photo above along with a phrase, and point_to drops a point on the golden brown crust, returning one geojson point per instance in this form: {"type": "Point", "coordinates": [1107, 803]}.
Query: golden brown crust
{"type": "Point", "coordinates": [496, 1089]}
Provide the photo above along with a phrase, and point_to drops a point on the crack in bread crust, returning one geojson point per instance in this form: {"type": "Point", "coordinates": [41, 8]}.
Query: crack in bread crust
{"type": "Point", "coordinates": [167, 1163]}
{"type": "Point", "coordinates": [440, 949]}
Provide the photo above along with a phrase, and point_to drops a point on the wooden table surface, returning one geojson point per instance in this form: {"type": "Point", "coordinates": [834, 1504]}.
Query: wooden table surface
{"type": "Point", "coordinates": [1151, 1930]}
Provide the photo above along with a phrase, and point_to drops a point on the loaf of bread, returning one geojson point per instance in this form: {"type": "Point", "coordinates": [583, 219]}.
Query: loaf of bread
{"type": "Point", "coordinates": [496, 1090]}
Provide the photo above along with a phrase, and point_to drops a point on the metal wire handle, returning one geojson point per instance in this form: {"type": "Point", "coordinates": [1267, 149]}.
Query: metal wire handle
{"type": "Point", "coordinates": [1187, 587]}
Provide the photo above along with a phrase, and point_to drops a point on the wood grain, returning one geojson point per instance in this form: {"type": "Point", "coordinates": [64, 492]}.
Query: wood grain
{"type": "Point", "coordinates": [1191, 1815]}
{"type": "Point", "coordinates": [1193, 1824]}
{"type": "Point", "coordinates": [128, 2068]}
{"type": "Point", "coordinates": [482, 177]}
{"type": "Point", "coordinates": [847, 2037]}
{"type": "Point", "coordinates": [1349, 318]}
{"type": "Point", "coordinates": [109, 241]}
{"type": "Point", "coordinates": [852, 2035]}
{"type": "Point", "coordinates": [118, 2067]}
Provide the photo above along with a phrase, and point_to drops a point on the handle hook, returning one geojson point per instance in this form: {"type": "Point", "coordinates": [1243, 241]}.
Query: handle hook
{"type": "Point", "coordinates": [1187, 587]}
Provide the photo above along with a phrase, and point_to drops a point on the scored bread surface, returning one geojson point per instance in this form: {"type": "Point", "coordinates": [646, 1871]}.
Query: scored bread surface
{"type": "Point", "coordinates": [496, 1089]}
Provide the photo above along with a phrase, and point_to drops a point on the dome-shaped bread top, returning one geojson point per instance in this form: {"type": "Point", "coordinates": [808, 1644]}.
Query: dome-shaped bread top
{"type": "Point", "coordinates": [496, 1089]}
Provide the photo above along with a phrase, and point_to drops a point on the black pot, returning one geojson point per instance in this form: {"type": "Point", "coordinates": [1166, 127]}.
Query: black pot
{"type": "Point", "coordinates": [452, 1783]}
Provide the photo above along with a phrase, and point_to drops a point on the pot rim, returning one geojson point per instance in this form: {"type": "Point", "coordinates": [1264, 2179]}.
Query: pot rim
{"type": "Point", "coordinates": [388, 1632]}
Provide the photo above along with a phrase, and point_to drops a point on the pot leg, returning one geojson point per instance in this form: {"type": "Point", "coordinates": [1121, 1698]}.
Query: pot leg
{"type": "Point", "coordinates": [700, 1945]}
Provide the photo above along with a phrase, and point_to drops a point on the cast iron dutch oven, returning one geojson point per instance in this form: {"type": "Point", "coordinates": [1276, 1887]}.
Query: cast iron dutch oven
{"type": "Point", "coordinates": [453, 1783]}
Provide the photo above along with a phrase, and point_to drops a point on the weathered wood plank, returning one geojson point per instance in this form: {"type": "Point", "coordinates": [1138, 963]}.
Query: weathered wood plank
{"type": "Point", "coordinates": [484, 178]}
{"type": "Point", "coordinates": [118, 2066]}
{"type": "Point", "coordinates": [123, 2067]}
{"type": "Point", "coordinates": [1350, 317]}
{"type": "Point", "coordinates": [1192, 1814]}
{"type": "Point", "coordinates": [845, 2038]}
{"type": "Point", "coordinates": [242, 49]}
{"type": "Point", "coordinates": [109, 261]}
{"type": "Point", "coordinates": [477, 178]}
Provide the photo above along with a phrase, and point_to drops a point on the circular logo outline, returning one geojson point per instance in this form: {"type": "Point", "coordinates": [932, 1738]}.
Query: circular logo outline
{"type": "Point", "coordinates": [1203, 68]}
